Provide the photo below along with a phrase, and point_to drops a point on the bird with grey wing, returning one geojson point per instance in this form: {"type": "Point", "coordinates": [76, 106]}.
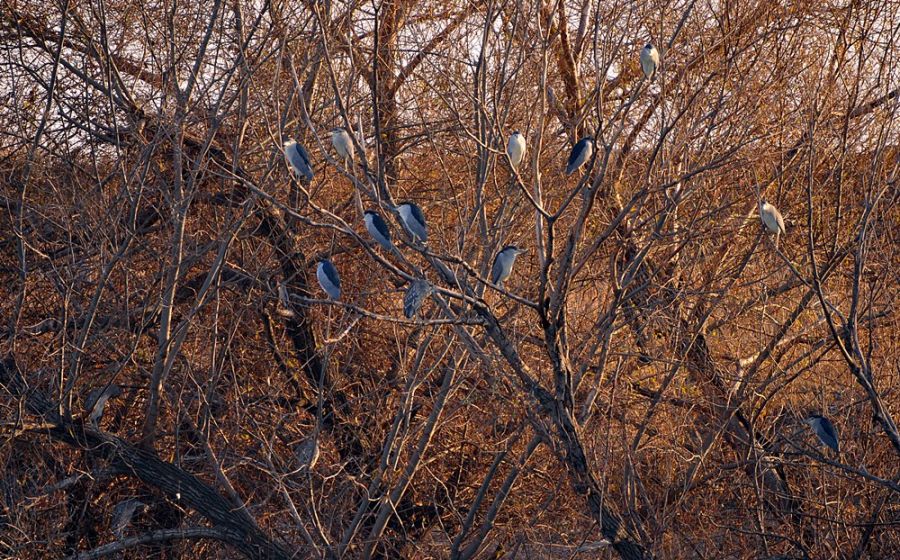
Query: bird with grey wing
{"type": "Point", "coordinates": [771, 219]}
{"type": "Point", "coordinates": [824, 430]}
{"type": "Point", "coordinates": [581, 154]}
{"type": "Point", "coordinates": [649, 60]}
{"type": "Point", "coordinates": [123, 513]}
{"type": "Point", "coordinates": [307, 452]}
{"type": "Point", "coordinates": [298, 160]}
{"type": "Point", "coordinates": [378, 229]}
{"type": "Point", "coordinates": [284, 300]}
{"type": "Point", "coordinates": [503, 264]}
{"type": "Point", "coordinates": [515, 149]}
{"type": "Point", "coordinates": [416, 293]}
{"type": "Point", "coordinates": [413, 220]}
{"type": "Point", "coordinates": [328, 278]}
{"type": "Point", "coordinates": [342, 143]}
{"type": "Point", "coordinates": [96, 401]}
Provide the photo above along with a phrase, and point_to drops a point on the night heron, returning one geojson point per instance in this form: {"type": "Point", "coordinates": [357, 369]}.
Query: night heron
{"type": "Point", "coordinates": [503, 263]}
{"type": "Point", "coordinates": [413, 220]}
{"type": "Point", "coordinates": [673, 192]}
{"type": "Point", "coordinates": [515, 149]}
{"type": "Point", "coordinates": [824, 430]}
{"type": "Point", "coordinates": [284, 299]}
{"type": "Point", "coordinates": [96, 401]}
{"type": "Point", "coordinates": [415, 295]}
{"type": "Point", "coordinates": [328, 278]}
{"type": "Point", "coordinates": [342, 143]}
{"type": "Point", "coordinates": [581, 153]}
{"type": "Point", "coordinates": [307, 452]}
{"type": "Point", "coordinates": [649, 60]}
{"type": "Point", "coordinates": [378, 229]}
{"type": "Point", "coordinates": [122, 514]}
{"type": "Point", "coordinates": [771, 218]}
{"type": "Point", "coordinates": [298, 159]}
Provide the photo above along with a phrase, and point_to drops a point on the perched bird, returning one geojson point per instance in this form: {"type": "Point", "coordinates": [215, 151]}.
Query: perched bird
{"type": "Point", "coordinates": [673, 192]}
{"type": "Point", "coordinates": [284, 300]}
{"type": "Point", "coordinates": [649, 60]}
{"type": "Point", "coordinates": [771, 218]}
{"type": "Point", "coordinates": [298, 159]}
{"type": "Point", "coordinates": [122, 514]}
{"type": "Point", "coordinates": [824, 430]}
{"type": "Point", "coordinates": [378, 229]}
{"type": "Point", "coordinates": [581, 153]}
{"type": "Point", "coordinates": [413, 220]}
{"type": "Point", "coordinates": [342, 143]}
{"type": "Point", "coordinates": [415, 295]}
{"type": "Point", "coordinates": [515, 149]}
{"type": "Point", "coordinates": [96, 401]}
{"type": "Point", "coordinates": [307, 452]}
{"type": "Point", "coordinates": [503, 263]}
{"type": "Point", "coordinates": [328, 278]}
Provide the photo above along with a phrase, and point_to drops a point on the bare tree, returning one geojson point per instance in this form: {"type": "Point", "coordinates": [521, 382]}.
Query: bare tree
{"type": "Point", "coordinates": [634, 389]}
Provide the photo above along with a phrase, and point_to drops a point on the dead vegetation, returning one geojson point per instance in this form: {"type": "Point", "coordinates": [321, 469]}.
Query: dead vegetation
{"type": "Point", "coordinates": [635, 390]}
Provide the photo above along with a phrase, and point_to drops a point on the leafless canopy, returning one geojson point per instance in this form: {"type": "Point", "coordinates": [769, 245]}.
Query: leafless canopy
{"type": "Point", "coordinates": [635, 389]}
